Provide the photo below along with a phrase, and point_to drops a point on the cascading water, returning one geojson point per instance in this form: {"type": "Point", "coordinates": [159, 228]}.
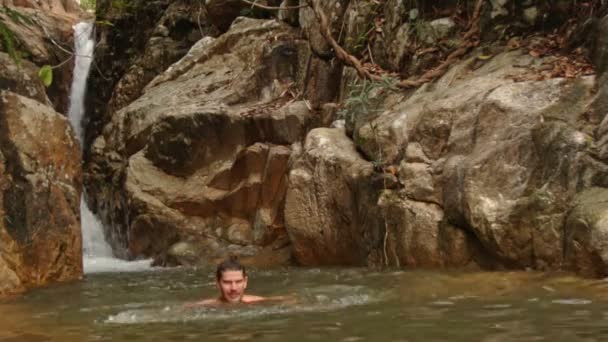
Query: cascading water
{"type": "Point", "coordinates": [98, 256]}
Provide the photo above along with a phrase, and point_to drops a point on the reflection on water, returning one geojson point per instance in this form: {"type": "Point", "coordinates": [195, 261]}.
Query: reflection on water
{"type": "Point", "coordinates": [336, 305]}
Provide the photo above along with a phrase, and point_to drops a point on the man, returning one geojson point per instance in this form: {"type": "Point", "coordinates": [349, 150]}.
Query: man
{"type": "Point", "coordinates": [231, 280]}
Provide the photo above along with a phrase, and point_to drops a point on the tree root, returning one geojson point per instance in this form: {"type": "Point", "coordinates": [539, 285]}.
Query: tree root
{"type": "Point", "coordinates": [471, 39]}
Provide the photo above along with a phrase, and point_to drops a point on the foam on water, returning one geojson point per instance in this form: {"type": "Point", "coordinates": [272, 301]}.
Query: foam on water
{"type": "Point", "coordinates": [177, 313]}
{"type": "Point", "coordinates": [571, 301]}
{"type": "Point", "coordinates": [111, 264]}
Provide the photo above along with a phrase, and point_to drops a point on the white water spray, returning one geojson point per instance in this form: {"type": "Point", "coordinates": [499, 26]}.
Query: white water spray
{"type": "Point", "coordinates": [97, 253]}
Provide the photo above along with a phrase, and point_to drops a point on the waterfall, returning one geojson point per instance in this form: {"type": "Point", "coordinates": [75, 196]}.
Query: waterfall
{"type": "Point", "coordinates": [97, 253]}
{"type": "Point", "coordinates": [84, 44]}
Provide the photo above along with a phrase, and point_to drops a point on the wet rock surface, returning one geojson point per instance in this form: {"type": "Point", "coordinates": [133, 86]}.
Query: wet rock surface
{"type": "Point", "coordinates": [40, 183]}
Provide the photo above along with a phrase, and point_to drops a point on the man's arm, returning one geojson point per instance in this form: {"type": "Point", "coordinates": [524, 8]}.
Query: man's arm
{"type": "Point", "coordinates": [204, 302]}
{"type": "Point", "coordinates": [250, 299]}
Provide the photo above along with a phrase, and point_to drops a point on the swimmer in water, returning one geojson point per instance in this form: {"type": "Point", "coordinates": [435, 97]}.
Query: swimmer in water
{"type": "Point", "coordinates": [231, 280]}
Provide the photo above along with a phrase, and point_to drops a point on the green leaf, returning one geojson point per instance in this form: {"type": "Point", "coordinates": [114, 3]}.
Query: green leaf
{"type": "Point", "coordinates": [104, 22]}
{"type": "Point", "coordinates": [46, 75]}
{"type": "Point", "coordinates": [414, 14]}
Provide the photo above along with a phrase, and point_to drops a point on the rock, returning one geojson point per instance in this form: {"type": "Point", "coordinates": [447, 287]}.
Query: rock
{"type": "Point", "coordinates": [186, 252]}
{"type": "Point", "coordinates": [290, 16]}
{"type": "Point", "coordinates": [184, 64]}
{"type": "Point", "coordinates": [40, 182]}
{"type": "Point", "coordinates": [498, 8]}
{"type": "Point", "coordinates": [202, 155]}
{"type": "Point", "coordinates": [334, 11]}
{"type": "Point", "coordinates": [321, 218]}
{"type": "Point", "coordinates": [394, 13]}
{"type": "Point", "coordinates": [223, 12]}
{"type": "Point", "coordinates": [441, 29]}
{"type": "Point", "coordinates": [587, 233]}
{"type": "Point", "coordinates": [358, 20]}
{"type": "Point", "coordinates": [22, 79]}
{"type": "Point", "coordinates": [34, 38]}
{"type": "Point", "coordinates": [601, 47]}
{"type": "Point", "coordinates": [458, 248]}
{"type": "Point", "coordinates": [324, 86]}
{"type": "Point", "coordinates": [399, 49]}
{"type": "Point", "coordinates": [531, 15]}
{"type": "Point", "coordinates": [175, 32]}
{"type": "Point", "coordinates": [130, 56]}
{"type": "Point", "coordinates": [500, 158]}
{"type": "Point", "coordinates": [60, 7]}
{"type": "Point", "coordinates": [599, 58]}
{"type": "Point", "coordinates": [413, 229]}
{"type": "Point", "coordinates": [417, 179]}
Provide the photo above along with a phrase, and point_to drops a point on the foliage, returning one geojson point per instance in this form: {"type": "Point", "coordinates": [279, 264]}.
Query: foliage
{"type": "Point", "coordinates": [104, 22]}
{"type": "Point", "coordinates": [365, 97]}
{"type": "Point", "coordinates": [46, 75]}
{"type": "Point", "coordinates": [7, 35]}
{"type": "Point", "coordinates": [355, 45]}
{"type": "Point", "coordinates": [120, 5]}
{"type": "Point", "coordinates": [8, 41]}
{"type": "Point", "coordinates": [88, 5]}
{"type": "Point", "coordinates": [366, 25]}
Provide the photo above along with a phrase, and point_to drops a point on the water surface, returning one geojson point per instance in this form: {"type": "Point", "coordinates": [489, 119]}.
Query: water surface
{"type": "Point", "coordinates": [333, 304]}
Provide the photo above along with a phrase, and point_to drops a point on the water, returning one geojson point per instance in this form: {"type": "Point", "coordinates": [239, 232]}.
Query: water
{"type": "Point", "coordinates": [84, 45]}
{"type": "Point", "coordinates": [332, 305]}
{"type": "Point", "coordinates": [97, 253]}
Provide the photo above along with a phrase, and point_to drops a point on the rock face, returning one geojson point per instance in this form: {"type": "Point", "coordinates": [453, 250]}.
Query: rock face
{"type": "Point", "coordinates": [40, 183]}
{"type": "Point", "coordinates": [61, 7]}
{"type": "Point", "coordinates": [201, 157]}
{"type": "Point", "coordinates": [328, 185]}
{"type": "Point", "coordinates": [587, 233]}
{"type": "Point", "coordinates": [22, 79]}
{"type": "Point", "coordinates": [130, 56]}
{"type": "Point", "coordinates": [496, 159]}
{"type": "Point", "coordinates": [33, 39]}
{"type": "Point", "coordinates": [216, 154]}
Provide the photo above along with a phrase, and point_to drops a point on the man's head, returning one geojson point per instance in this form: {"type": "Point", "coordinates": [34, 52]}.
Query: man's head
{"type": "Point", "coordinates": [231, 280]}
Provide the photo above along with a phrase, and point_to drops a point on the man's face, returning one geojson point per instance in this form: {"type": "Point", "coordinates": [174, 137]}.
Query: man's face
{"type": "Point", "coordinates": [232, 285]}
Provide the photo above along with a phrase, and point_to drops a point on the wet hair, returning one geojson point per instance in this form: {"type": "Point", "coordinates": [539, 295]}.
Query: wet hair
{"type": "Point", "coordinates": [229, 264]}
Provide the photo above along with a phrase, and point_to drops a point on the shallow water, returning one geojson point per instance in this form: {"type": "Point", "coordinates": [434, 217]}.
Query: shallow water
{"type": "Point", "coordinates": [332, 304]}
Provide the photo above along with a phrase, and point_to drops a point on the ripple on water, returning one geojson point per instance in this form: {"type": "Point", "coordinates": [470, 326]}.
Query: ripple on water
{"type": "Point", "coordinates": [318, 302]}
{"type": "Point", "coordinates": [571, 301]}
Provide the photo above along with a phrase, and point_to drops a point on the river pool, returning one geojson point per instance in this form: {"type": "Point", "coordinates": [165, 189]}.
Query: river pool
{"type": "Point", "coordinates": [332, 305]}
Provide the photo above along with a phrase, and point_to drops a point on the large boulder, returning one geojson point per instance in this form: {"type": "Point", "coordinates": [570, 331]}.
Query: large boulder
{"type": "Point", "coordinates": [327, 185]}
{"type": "Point", "coordinates": [201, 158]}
{"type": "Point", "coordinates": [501, 159]}
{"type": "Point", "coordinates": [175, 32]}
{"type": "Point", "coordinates": [40, 186]}
{"type": "Point", "coordinates": [587, 233]}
